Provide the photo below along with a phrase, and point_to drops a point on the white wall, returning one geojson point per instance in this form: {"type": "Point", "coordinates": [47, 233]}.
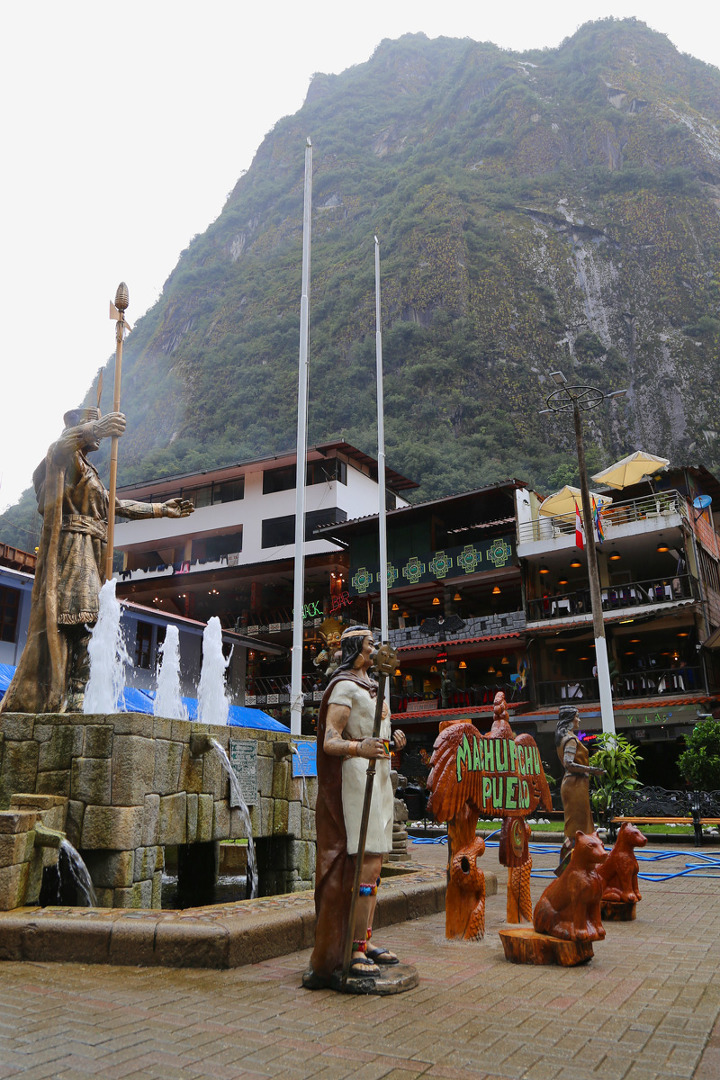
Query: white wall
{"type": "Point", "coordinates": [357, 498]}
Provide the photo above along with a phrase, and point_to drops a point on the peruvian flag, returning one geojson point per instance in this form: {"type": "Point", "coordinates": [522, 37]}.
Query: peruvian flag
{"type": "Point", "coordinates": [578, 529]}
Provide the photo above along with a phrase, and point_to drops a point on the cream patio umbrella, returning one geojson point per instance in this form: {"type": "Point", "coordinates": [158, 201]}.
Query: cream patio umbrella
{"type": "Point", "coordinates": [564, 501]}
{"type": "Point", "coordinates": [630, 470]}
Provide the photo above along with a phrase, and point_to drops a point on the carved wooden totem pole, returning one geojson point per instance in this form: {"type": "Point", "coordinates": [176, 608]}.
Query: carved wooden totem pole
{"type": "Point", "coordinates": [496, 775]}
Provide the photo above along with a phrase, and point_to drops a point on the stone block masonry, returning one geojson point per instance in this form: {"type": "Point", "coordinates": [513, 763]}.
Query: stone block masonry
{"type": "Point", "coordinates": [127, 786]}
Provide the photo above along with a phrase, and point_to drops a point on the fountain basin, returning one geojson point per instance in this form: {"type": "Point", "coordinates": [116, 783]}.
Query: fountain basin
{"type": "Point", "coordinates": [130, 786]}
{"type": "Point", "coordinates": [222, 936]}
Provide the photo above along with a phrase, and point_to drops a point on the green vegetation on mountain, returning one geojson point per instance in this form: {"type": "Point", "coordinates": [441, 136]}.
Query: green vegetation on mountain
{"type": "Point", "coordinates": [552, 209]}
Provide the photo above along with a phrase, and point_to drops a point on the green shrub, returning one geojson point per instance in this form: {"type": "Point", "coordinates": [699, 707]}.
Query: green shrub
{"type": "Point", "coordinates": [700, 762]}
{"type": "Point", "coordinates": [619, 758]}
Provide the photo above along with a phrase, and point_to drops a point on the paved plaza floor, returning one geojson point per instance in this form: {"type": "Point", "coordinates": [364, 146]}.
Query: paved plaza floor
{"type": "Point", "coordinates": [645, 1007]}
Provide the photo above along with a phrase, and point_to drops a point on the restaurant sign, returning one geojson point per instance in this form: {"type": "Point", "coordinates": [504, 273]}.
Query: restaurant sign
{"type": "Point", "coordinates": [450, 563]}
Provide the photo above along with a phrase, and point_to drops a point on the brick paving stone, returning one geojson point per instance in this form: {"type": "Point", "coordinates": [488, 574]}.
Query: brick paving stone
{"type": "Point", "coordinates": [646, 1008]}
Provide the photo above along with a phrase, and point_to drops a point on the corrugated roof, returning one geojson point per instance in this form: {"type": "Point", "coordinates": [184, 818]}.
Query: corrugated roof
{"type": "Point", "coordinates": [466, 496]}
{"type": "Point", "coordinates": [617, 615]}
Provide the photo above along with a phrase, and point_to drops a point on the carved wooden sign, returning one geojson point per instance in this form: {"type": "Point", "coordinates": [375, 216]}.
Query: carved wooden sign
{"type": "Point", "coordinates": [497, 776]}
{"type": "Point", "coordinates": [507, 769]}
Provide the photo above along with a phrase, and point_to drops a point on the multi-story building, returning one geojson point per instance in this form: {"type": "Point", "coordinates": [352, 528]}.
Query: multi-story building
{"type": "Point", "coordinates": [658, 563]}
{"type": "Point", "coordinates": [234, 556]}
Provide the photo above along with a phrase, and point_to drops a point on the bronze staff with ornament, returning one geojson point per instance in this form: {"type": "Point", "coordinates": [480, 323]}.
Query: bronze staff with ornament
{"type": "Point", "coordinates": [74, 559]}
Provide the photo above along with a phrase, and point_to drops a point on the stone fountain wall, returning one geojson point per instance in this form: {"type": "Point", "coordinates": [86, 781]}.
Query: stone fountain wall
{"type": "Point", "coordinates": [134, 788]}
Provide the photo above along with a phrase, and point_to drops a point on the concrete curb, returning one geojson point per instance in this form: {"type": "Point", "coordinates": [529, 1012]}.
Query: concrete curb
{"type": "Point", "coordinates": [222, 936]}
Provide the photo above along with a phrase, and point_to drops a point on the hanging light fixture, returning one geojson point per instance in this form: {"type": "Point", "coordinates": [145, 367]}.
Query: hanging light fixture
{"type": "Point", "coordinates": [457, 598]}
{"type": "Point", "coordinates": [496, 591]}
{"type": "Point", "coordinates": [575, 564]}
{"type": "Point", "coordinates": [562, 581]}
{"type": "Point", "coordinates": [504, 660]}
{"type": "Point", "coordinates": [436, 601]}
{"type": "Point", "coordinates": [543, 569]}
{"type": "Point", "coordinates": [462, 665]}
{"type": "Point", "coordinates": [662, 547]}
{"type": "Point", "coordinates": [491, 671]}
{"type": "Point", "coordinates": [395, 607]}
{"type": "Point", "coordinates": [614, 555]}
{"type": "Point", "coordinates": [433, 669]}
{"type": "Point", "coordinates": [405, 615]}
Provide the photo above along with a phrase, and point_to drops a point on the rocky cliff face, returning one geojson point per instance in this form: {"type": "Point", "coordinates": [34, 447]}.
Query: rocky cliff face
{"type": "Point", "coordinates": [558, 208]}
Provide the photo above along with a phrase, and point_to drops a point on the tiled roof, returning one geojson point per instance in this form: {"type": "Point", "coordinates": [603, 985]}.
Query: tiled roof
{"type": "Point", "coordinates": [451, 643]}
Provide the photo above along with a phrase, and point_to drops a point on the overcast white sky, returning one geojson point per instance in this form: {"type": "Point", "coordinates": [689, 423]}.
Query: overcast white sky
{"type": "Point", "coordinates": [125, 125]}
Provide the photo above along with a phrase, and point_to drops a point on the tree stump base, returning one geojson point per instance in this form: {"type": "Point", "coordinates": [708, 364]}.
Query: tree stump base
{"type": "Point", "coordinates": [523, 945]}
{"type": "Point", "coordinates": [618, 910]}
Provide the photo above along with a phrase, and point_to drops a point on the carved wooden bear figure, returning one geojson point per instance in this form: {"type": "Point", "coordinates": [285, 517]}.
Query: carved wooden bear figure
{"type": "Point", "coordinates": [619, 872]}
{"type": "Point", "coordinates": [570, 906]}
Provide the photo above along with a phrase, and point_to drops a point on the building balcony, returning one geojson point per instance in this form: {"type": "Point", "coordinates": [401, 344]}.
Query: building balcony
{"type": "Point", "coordinates": [648, 683]}
{"type": "Point", "coordinates": [650, 594]}
{"type": "Point", "coordinates": [275, 690]}
{"type": "Point", "coordinates": [651, 513]}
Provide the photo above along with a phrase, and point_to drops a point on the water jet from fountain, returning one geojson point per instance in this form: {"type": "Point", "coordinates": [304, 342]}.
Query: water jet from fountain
{"type": "Point", "coordinates": [237, 801]}
{"type": "Point", "coordinates": [108, 657]}
{"type": "Point", "coordinates": [168, 702]}
{"type": "Point", "coordinates": [213, 702]}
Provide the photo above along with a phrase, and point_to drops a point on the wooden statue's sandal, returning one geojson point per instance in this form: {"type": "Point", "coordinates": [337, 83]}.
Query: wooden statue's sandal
{"type": "Point", "coordinates": [361, 967]}
{"type": "Point", "coordinates": [381, 956]}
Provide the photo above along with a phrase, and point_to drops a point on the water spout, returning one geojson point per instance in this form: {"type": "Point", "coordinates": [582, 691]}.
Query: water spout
{"type": "Point", "coordinates": [108, 657]}
{"type": "Point", "coordinates": [237, 800]}
{"type": "Point", "coordinates": [71, 869]}
{"type": "Point", "coordinates": [168, 701]}
{"type": "Point", "coordinates": [303, 783]}
{"type": "Point", "coordinates": [213, 702]}
{"type": "Point", "coordinates": [79, 872]}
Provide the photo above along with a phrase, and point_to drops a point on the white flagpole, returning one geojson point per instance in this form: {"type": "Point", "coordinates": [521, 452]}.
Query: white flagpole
{"type": "Point", "coordinates": [296, 694]}
{"type": "Point", "coordinates": [381, 454]}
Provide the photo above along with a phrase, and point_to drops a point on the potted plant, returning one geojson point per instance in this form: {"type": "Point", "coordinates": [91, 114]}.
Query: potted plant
{"type": "Point", "coordinates": [619, 758]}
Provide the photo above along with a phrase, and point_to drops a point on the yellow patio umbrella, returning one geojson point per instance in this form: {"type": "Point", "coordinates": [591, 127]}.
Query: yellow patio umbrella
{"type": "Point", "coordinates": [565, 500]}
{"type": "Point", "coordinates": [630, 470]}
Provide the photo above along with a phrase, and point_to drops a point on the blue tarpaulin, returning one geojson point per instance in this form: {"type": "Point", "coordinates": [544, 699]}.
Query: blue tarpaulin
{"type": "Point", "coordinates": [142, 701]}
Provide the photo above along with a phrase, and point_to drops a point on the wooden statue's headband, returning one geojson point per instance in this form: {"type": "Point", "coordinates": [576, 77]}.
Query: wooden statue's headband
{"type": "Point", "coordinates": [355, 633]}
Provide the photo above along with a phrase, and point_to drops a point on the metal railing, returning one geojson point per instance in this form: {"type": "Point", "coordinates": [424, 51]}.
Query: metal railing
{"type": "Point", "coordinates": [649, 682]}
{"type": "Point", "coordinates": [612, 515]}
{"type": "Point", "coordinates": [634, 594]}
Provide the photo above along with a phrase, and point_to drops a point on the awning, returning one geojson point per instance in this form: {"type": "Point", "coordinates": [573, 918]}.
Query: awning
{"type": "Point", "coordinates": [141, 701]}
{"type": "Point", "coordinates": [630, 470]}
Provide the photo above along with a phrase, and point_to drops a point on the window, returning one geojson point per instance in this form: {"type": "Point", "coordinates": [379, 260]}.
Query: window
{"type": "Point", "coordinates": [278, 480]}
{"type": "Point", "coordinates": [322, 472]}
{"type": "Point", "coordinates": [322, 517]}
{"type": "Point", "coordinates": [226, 544]}
{"type": "Point", "coordinates": [202, 496]}
{"type": "Point", "coordinates": [278, 531]}
{"type": "Point", "coordinates": [143, 644]}
{"type": "Point", "coordinates": [230, 491]}
{"type": "Point", "coordinates": [9, 605]}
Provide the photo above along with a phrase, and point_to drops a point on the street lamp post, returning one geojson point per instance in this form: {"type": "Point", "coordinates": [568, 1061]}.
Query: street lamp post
{"type": "Point", "coordinates": [581, 399]}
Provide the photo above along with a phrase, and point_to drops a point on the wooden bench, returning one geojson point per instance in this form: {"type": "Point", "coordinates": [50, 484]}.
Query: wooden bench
{"type": "Point", "coordinates": [658, 806]}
